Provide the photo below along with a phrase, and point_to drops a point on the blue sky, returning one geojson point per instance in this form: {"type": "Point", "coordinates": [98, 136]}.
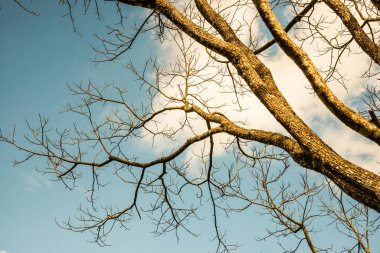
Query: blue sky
{"type": "Point", "coordinates": [38, 57]}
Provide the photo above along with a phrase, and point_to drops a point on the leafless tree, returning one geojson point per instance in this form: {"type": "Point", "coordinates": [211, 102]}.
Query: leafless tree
{"type": "Point", "coordinates": [218, 54]}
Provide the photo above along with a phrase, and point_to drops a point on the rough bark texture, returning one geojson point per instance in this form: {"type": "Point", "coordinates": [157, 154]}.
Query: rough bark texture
{"type": "Point", "coordinates": [376, 3]}
{"type": "Point", "coordinates": [307, 148]}
{"type": "Point", "coordinates": [349, 117]}
{"type": "Point", "coordinates": [354, 28]}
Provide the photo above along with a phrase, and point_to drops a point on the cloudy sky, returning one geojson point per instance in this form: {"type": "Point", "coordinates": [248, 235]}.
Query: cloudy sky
{"type": "Point", "coordinates": [39, 56]}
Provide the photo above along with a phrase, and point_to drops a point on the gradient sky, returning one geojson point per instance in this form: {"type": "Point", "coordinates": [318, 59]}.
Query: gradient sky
{"type": "Point", "coordinates": [39, 55]}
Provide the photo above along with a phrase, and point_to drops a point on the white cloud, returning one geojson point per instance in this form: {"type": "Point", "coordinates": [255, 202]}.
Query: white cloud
{"type": "Point", "coordinates": [3, 251]}
{"type": "Point", "coordinates": [291, 82]}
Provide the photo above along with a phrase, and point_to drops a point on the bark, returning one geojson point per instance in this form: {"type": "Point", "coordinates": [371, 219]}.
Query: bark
{"type": "Point", "coordinates": [355, 29]}
{"type": "Point", "coordinates": [376, 3]}
{"type": "Point", "coordinates": [290, 25]}
{"type": "Point", "coordinates": [345, 114]}
{"type": "Point", "coordinates": [351, 178]}
{"type": "Point", "coordinates": [357, 182]}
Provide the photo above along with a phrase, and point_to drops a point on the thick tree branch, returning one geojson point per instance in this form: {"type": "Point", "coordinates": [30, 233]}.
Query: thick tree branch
{"type": "Point", "coordinates": [265, 137]}
{"type": "Point", "coordinates": [290, 25]}
{"type": "Point", "coordinates": [183, 23]}
{"type": "Point", "coordinates": [352, 179]}
{"type": "Point", "coordinates": [351, 118]}
{"type": "Point", "coordinates": [368, 46]}
{"type": "Point", "coordinates": [217, 22]}
{"type": "Point", "coordinates": [376, 3]}
{"type": "Point", "coordinates": [182, 90]}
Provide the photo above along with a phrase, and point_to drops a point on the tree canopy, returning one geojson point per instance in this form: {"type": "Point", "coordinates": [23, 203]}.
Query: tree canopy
{"type": "Point", "coordinates": [243, 105]}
